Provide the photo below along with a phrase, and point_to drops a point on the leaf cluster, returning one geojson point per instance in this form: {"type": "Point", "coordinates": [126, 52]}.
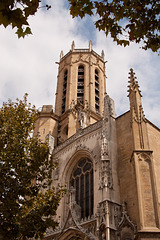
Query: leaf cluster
{"type": "Point", "coordinates": [16, 13]}
{"type": "Point", "coordinates": [28, 202]}
{"type": "Point", "coordinates": [125, 20]}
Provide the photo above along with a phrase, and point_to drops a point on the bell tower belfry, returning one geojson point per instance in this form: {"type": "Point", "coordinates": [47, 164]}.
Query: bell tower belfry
{"type": "Point", "coordinates": [81, 89]}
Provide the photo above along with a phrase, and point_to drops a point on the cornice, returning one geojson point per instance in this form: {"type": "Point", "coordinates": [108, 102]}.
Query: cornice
{"type": "Point", "coordinates": [48, 115]}
{"type": "Point", "coordinates": [82, 51]}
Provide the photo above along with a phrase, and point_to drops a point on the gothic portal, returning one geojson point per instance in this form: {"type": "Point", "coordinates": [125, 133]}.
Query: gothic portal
{"type": "Point", "coordinates": [111, 165]}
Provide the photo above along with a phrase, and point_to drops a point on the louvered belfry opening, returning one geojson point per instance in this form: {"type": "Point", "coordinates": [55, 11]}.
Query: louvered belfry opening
{"type": "Point", "coordinates": [64, 91]}
{"type": "Point", "coordinates": [80, 85]}
{"type": "Point", "coordinates": [96, 91]}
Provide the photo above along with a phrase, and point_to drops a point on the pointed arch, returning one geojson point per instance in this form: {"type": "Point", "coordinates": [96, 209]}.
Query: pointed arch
{"type": "Point", "coordinates": [79, 153]}
{"type": "Point", "coordinates": [127, 230]}
{"type": "Point", "coordinates": [82, 181]}
{"type": "Point", "coordinates": [79, 174]}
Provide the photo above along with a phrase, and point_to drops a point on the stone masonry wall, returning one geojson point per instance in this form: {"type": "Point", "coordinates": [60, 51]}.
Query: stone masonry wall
{"type": "Point", "coordinates": [126, 172]}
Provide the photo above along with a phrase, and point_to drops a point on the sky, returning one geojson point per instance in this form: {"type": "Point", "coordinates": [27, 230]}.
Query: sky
{"type": "Point", "coordinates": [29, 65]}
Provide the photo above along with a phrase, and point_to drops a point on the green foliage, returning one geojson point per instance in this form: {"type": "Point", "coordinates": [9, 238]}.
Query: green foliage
{"type": "Point", "coordinates": [16, 13]}
{"type": "Point", "coordinates": [125, 20]}
{"type": "Point", "coordinates": [28, 202]}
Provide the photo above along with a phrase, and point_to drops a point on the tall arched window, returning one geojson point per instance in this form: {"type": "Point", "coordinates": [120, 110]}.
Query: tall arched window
{"type": "Point", "coordinates": [64, 91]}
{"type": "Point", "coordinates": [80, 84]}
{"type": "Point", "coordinates": [96, 91]}
{"type": "Point", "coordinates": [82, 181]}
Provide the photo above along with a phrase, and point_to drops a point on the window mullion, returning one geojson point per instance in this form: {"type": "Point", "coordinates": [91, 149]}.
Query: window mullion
{"type": "Point", "coordinates": [79, 191]}
{"type": "Point", "coordinates": [84, 195]}
{"type": "Point", "coordinates": [90, 194]}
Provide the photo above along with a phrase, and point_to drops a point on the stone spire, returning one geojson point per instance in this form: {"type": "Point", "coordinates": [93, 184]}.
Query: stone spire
{"type": "Point", "coordinates": [135, 98]}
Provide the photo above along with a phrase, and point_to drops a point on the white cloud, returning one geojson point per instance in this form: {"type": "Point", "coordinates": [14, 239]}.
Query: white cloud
{"type": "Point", "coordinates": [146, 68]}
{"type": "Point", "coordinates": [28, 65]}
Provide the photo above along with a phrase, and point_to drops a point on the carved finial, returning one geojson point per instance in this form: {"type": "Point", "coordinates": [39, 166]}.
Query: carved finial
{"type": "Point", "coordinates": [90, 45]}
{"type": "Point", "coordinates": [61, 55]}
{"type": "Point", "coordinates": [126, 223]}
{"type": "Point", "coordinates": [72, 192]}
{"type": "Point", "coordinates": [133, 84]}
{"type": "Point", "coordinates": [73, 46]}
{"type": "Point", "coordinates": [102, 54]}
{"type": "Point", "coordinates": [135, 98]}
{"type": "Point", "coordinates": [124, 207]}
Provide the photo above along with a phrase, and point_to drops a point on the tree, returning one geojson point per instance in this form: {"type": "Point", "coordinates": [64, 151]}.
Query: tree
{"type": "Point", "coordinates": [28, 202]}
{"type": "Point", "coordinates": [17, 12]}
{"type": "Point", "coordinates": [125, 20]}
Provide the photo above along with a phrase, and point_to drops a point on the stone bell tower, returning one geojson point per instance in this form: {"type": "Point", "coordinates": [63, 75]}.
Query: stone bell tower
{"type": "Point", "coordinates": [80, 90]}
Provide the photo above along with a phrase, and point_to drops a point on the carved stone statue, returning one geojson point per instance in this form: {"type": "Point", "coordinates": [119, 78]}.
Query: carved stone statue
{"type": "Point", "coordinates": [82, 119]}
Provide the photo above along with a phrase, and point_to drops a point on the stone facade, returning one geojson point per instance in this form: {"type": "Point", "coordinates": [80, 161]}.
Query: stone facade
{"type": "Point", "coordinates": [109, 164]}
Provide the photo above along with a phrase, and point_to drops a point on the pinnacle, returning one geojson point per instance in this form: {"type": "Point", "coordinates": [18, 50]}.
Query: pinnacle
{"type": "Point", "coordinates": [133, 84]}
{"type": "Point", "coordinates": [132, 76]}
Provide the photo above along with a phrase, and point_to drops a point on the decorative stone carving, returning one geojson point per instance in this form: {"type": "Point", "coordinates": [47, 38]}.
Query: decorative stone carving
{"type": "Point", "coordinates": [102, 210]}
{"type": "Point", "coordinates": [144, 156]}
{"type": "Point", "coordinates": [140, 117]}
{"type": "Point", "coordinates": [104, 149]}
{"type": "Point", "coordinates": [73, 219]}
{"type": "Point", "coordinates": [86, 131]}
{"type": "Point", "coordinates": [106, 169]}
{"type": "Point", "coordinates": [108, 216]}
{"type": "Point", "coordinates": [90, 227]}
{"type": "Point", "coordinates": [106, 175]}
{"type": "Point", "coordinates": [102, 232]}
{"type": "Point", "coordinates": [117, 215]}
{"type": "Point", "coordinates": [135, 99]}
{"type": "Point", "coordinates": [82, 119]}
{"type": "Point", "coordinates": [83, 147]}
{"type": "Point", "coordinates": [72, 108]}
{"type": "Point", "coordinates": [126, 228]}
{"type": "Point", "coordinates": [86, 231]}
{"type": "Point", "coordinates": [81, 113]}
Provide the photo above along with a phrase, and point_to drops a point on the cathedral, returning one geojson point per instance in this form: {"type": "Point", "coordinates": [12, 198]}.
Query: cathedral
{"type": "Point", "coordinates": [110, 164]}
